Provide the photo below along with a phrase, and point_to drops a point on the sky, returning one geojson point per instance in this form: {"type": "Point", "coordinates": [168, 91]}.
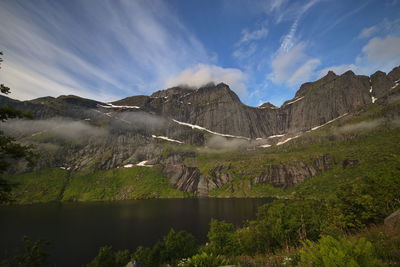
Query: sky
{"type": "Point", "coordinates": [263, 49]}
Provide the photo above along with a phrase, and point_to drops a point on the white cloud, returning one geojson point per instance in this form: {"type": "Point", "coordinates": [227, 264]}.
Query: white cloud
{"type": "Point", "coordinates": [248, 36]}
{"type": "Point", "coordinates": [288, 42]}
{"type": "Point", "coordinates": [368, 32]}
{"type": "Point", "coordinates": [378, 54]}
{"type": "Point", "coordinates": [304, 72]}
{"type": "Point", "coordinates": [202, 74]}
{"type": "Point", "coordinates": [293, 67]}
{"type": "Point", "coordinates": [385, 27]}
{"type": "Point", "coordinates": [382, 50]}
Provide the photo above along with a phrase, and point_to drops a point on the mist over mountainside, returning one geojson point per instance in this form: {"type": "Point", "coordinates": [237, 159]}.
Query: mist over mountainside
{"type": "Point", "coordinates": [172, 129]}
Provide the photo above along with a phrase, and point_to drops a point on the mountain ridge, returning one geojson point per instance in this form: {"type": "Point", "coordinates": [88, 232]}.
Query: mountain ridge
{"type": "Point", "coordinates": [172, 127]}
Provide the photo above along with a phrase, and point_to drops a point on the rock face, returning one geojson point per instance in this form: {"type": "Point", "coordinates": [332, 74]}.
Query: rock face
{"type": "Point", "coordinates": [393, 220]}
{"type": "Point", "coordinates": [138, 126]}
{"type": "Point", "coordinates": [290, 174]}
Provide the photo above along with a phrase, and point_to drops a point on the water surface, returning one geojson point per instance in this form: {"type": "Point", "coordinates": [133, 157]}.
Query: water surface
{"type": "Point", "coordinates": [77, 230]}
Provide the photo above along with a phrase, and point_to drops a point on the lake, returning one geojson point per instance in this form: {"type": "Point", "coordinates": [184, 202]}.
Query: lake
{"type": "Point", "coordinates": [77, 230]}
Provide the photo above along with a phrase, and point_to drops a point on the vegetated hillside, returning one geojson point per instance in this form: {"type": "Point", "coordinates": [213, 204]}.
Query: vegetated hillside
{"type": "Point", "coordinates": [183, 142]}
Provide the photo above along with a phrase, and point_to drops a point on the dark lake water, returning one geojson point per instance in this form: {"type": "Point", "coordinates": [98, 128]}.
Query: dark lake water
{"type": "Point", "coordinates": [77, 230]}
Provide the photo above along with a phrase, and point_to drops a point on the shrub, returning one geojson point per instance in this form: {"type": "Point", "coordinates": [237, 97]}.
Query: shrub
{"type": "Point", "coordinates": [107, 257]}
{"type": "Point", "coordinates": [173, 247]}
{"type": "Point", "coordinates": [204, 260]}
{"type": "Point", "coordinates": [286, 223]}
{"type": "Point", "coordinates": [330, 251]}
{"type": "Point", "coordinates": [222, 238]}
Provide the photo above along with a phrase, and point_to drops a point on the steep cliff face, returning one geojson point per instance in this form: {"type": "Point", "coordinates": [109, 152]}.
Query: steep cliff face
{"type": "Point", "coordinates": [289, 174]}
{"type": "Point", "coordinates": [328, 98]}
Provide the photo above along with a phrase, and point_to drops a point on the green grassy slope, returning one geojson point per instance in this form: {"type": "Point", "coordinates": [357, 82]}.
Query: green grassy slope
{"type": "Point", "coordinates": [117, 184]}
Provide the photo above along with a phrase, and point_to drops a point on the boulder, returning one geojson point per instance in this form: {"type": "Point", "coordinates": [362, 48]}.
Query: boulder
{"type": "Point", "coordinates": [393, 220]}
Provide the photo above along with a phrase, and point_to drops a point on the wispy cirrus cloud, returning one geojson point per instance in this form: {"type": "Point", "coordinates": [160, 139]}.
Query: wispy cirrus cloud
{"type": "Point", "coordinates": [99, 49]}
{"type": "Point", "coordinates": [383, 28]}
{"type": "Point", "coordinates": [248, 36]}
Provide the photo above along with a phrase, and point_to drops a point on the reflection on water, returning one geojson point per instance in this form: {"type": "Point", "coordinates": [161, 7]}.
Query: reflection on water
{"type": "Point", "coordinates": [77, 230]}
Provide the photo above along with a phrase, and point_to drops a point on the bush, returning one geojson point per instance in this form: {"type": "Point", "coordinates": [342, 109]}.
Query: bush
{"type": "Point", "coordinates": [34, 254]}
{"type": "Point", "coordinates": [367, 201]}
{"type": "Point", "coordinates": [173, 247]}
{"type": "Point", "coordinates": [204, 260]}
{"type": "Point", "coordinates": [330, 251]}
{"type": "Point", "coordinates": [109, 258]}
{"type": "Point", "coordinates": [222, 238]}
{"type": "Point", "coordinates": [285, 223]}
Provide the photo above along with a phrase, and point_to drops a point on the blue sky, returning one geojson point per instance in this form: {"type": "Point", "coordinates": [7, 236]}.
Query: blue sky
{"type": "Point", "coordinates": [264, 50]}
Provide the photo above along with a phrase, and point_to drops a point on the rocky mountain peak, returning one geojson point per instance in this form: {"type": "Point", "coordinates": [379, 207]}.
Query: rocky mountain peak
{"type": "Point", "coordinates": [331, 74]}
{"type": "Point", "coordinates": [349, 73]}
{"type": "Point", "coordinates": [267, 105]}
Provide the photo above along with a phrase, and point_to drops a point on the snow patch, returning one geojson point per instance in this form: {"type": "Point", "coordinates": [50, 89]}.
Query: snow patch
{"type": "Point", "coordinates": [109, 105]}
{"type": "Point", "coordinates": [396, 83]}
{"type": "Point", "coordinates": [286, 140]}
{"type": "Point", "coordinates": [275, 136]}
{"type": "Point", "coordinates": [143, 164]}
{"type": "Point", "coordinates": [294, 101]}
{"type": "Point", "coordinates": [317, 127]}
{"type": "Point", "coordinates": [166, 139]}
{"type": "Point", "coordinates": [265, 146]}
{"type": "Point", "coordinates": [209, 131]}
{"type": "Point", "coordinates": [128, 166]}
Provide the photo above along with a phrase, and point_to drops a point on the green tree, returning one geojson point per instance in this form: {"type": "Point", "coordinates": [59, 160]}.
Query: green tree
{"type": "Point", "coordinates": [10, 150]}
{"type": "Point", "coordinates": [178, 245]}
{"type": "Point", "coordinates": [107, 257]}
{"type": "Point", "coordinates": [284, 223]}
{"type": "Point", "coordinates": [173, 247]}
{"type": "Point", "coordinates": [222, 238]}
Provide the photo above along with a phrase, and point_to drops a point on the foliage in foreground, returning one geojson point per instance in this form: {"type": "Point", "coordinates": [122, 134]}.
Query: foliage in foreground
{"type": "Point", "coordinates": [107, 257]}
{"type": "Point", "coordinates": [10, 150]}
{"type": "Point", "coordinates": [330, 251]}
{"type": "Point", "coordinates": [173, 247]}
{"type": "Point", "coordinates": [204, 260]}
{"type": "Point", "coordinates": [32, 255]}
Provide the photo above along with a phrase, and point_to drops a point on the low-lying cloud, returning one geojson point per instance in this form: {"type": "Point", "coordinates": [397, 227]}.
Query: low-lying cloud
{"type": "Point", "coordinates": [365, 125]}
{"type": "Point", "coordinates": [58, 127]}
{"type": "Point", "coordinates": [202, 74]}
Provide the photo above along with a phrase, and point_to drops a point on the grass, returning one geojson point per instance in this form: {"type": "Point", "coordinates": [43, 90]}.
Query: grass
{"type": "Point", "coordinates": [117, 184]}
{"type": "Point", "coordinates": [42, 186]}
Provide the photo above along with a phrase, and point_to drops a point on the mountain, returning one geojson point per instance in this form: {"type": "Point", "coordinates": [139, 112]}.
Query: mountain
{"type": "Point", "coordinates": [199, 140]}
